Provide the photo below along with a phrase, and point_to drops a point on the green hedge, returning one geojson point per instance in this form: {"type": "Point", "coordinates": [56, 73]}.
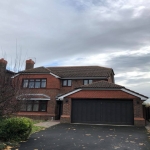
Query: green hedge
{"type": "Point", "coordinates": [15, 129]}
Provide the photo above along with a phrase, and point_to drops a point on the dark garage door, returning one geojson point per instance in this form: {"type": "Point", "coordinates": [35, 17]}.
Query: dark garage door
{"type": "Point", "coordinates": [102, 111]}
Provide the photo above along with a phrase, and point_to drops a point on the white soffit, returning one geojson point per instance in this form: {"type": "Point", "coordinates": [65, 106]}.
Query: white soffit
{"type": "Point", "coordinates": [62, 97]}
{"type": "Point", "coordinates": [27, 97]}
{"type": "Point", "coordinates": [54, 75]}
{"type": "Point", "coordinates": [132, 93]}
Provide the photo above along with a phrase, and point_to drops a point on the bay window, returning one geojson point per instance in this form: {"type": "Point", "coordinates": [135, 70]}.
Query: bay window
{"type": "Point", "coordinates": [34, 105]}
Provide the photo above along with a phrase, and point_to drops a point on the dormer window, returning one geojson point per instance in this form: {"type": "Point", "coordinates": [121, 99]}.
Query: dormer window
{"type": "Point", "coordinates": [85, 82]}
{"type": "Point", "coordinates": [66, 82]}
{"type": "Point", "coordinates": [34, 83]}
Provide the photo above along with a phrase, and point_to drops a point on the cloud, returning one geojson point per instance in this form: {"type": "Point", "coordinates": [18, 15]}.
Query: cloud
{"type": "Point", "coordinates": [112, 33]}
{"type": "Point", "coordinates": [129, 62]}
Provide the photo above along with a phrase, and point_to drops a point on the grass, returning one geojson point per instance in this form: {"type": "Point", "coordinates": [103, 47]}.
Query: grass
{"type": "Point", "coordinates": [4, 145]}
{"type": "Point", "coordinates": [36, 129]}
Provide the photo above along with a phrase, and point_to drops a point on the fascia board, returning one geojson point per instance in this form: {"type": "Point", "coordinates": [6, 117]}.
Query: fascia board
{"type": "Point", "coordinates": [102, 89]}
{"type": "Point", "coordinates": [132, 93]}
{"type": "Point", "coordinates": [62, 97]}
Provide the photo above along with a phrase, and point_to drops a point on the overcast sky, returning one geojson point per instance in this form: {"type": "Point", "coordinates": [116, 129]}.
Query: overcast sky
{"type": "Point", "coordinates": [110, 33]}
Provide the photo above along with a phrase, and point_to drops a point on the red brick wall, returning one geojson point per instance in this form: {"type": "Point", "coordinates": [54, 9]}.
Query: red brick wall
{"type": "Point", "coordinates": [36, 115]}
{"type": "Point", "coordinates": [52, 90]}
{"type": "Point", "coordinates": [102, 94]}
{"type": "Point", "coordinates": [137, 103]}
{"type": "Point", "coordinates": [52, 82]}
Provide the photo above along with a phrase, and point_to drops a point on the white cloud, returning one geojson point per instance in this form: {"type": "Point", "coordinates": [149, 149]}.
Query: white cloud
{"type": "Point", "coordinates": [78, 32]}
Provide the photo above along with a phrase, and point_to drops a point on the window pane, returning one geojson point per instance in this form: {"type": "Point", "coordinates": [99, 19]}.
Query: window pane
{"type": "Point", "coordinates": [69, 82]}
{"type": "Point", "coordinates": [85, 82]}
{"type": "Point", "coordinates": [23, 107]}
{"type": "Point", "coordinates": [37, 83]}
{"type": "Point", "coordinates": [29, 107]}
{"type": "Point", "coordinates": [31, 84]}
{"type": "Point", "coordinates": [64, 82]}
{"type": "Point", "coordinates": [25, 83]}
{"type": "Point", "coordinates": [43, 83]}
{"type": "Point", "coordinates": [90, 81]}
{"type": "Point", "coordinates": [43, 106]}
{"type": "Point", "coordinates": [35, 107]}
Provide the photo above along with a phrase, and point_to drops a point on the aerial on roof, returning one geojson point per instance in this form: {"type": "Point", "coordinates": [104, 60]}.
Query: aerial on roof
{"type": "Point", "coordinates": [73, 71]}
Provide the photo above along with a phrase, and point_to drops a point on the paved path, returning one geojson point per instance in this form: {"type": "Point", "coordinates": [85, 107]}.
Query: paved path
{"type": "Point", "coordinates": [88, 137]}
{"type": "Point", "coordinates": [48, 124]}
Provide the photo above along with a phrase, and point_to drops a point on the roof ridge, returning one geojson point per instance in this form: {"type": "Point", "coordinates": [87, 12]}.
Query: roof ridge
{"type": "Point", "coordinates": [78, 66]}
{"type": "Point", "coordinates": [47, 69]}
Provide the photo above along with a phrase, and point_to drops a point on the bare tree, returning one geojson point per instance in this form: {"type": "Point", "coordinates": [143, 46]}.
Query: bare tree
{"type": "Point", "coordinates": [12, 95]}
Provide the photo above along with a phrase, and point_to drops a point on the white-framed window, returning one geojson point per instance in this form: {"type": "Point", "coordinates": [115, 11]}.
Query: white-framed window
{"type": "Point", "coordinates": [34, 83]}
{"type": "Point", "coordinates": [66, 82]}
{"type": "Point", "coordinates": [85, 82]}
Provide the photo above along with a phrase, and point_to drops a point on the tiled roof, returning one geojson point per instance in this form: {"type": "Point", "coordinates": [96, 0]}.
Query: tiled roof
{"type": "Point", "coordinates": [73, 71]}
{"type": "Point", "coordinates": [102, 84]}
{"type": "Point", "coordinates": [36, 70]}
{"type": "Point", "coordinates": [81, 71]}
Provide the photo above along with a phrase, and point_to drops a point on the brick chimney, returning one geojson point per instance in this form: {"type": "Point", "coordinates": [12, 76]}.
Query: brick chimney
{"type": "Point", "coordinates": [29, 64]}
{"type": "Point", "coordinates": [3, 64]}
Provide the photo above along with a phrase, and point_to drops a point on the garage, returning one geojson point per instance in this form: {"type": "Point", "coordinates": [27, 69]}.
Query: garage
{"type": "Point", "coordinates": [102, 111]}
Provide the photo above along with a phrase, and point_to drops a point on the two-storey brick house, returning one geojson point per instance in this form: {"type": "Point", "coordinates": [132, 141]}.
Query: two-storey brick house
{"type": "Point", "coordinates": [79, 94]}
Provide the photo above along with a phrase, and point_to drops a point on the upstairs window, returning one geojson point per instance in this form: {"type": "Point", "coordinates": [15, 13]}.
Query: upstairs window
{"type": "Point", "coordinates": [34, 83]}
{"type": "Point", "coordinates": [66, 82]}
{"type": "Point", "coordinates": [85, 82]}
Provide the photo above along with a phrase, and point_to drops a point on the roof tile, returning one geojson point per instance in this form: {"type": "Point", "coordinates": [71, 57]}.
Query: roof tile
{"type": "Point", "coordinates": [102, 84]}
{"type": "Point", "coordinates": [73, 71]}
{"type": "Point", "coordinates": [81, 71]}
{"type": "Point", "coordinates": [36, 70]}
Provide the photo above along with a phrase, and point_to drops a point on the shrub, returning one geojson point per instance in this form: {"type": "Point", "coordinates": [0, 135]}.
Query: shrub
{"type": "Point", "coordinates": [15, 129]}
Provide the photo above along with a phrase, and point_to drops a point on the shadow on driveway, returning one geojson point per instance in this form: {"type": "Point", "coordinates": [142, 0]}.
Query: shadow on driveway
{"type": "Point", "coordinates": [88, 137]}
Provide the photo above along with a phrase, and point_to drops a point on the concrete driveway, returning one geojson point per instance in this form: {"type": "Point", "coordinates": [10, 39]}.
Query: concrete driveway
{"type": "Point", "coordinates": [88, 137]}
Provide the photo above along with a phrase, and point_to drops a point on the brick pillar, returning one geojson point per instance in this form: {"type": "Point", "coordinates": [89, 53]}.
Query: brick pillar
{"type": "Point", "coordinates": [66, 116]}
{"type": "Point", "coordinates": [138, 112]}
